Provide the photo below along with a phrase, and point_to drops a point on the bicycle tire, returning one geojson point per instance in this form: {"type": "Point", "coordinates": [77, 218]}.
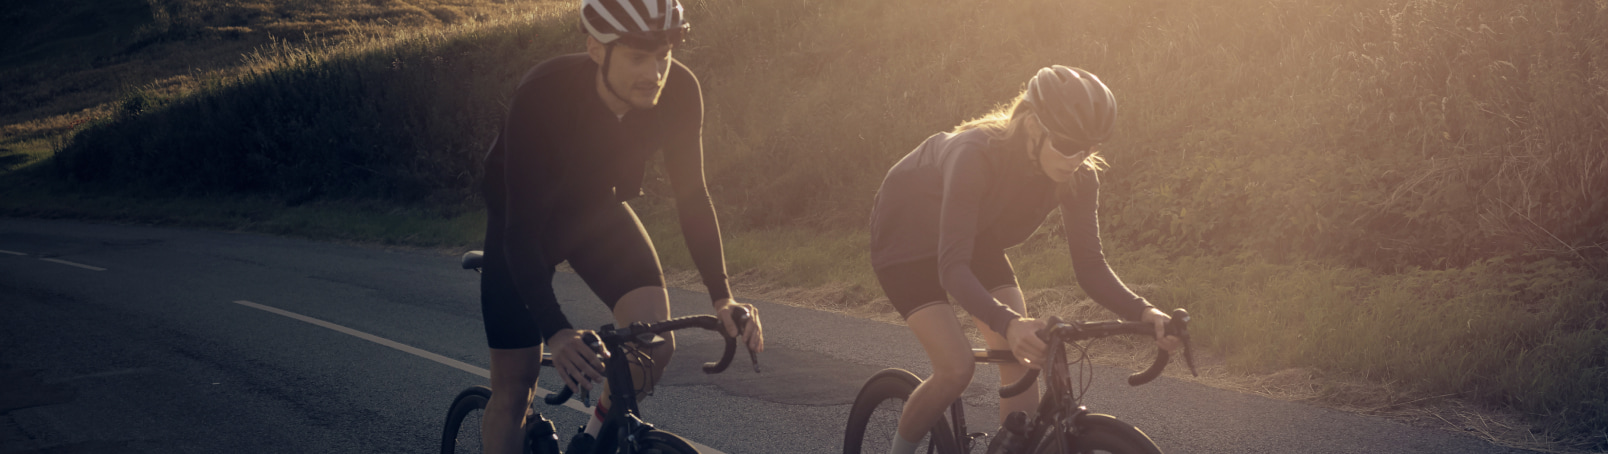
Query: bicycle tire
{"type": "Point", "coordinates": [660, 442]}
{"type": "Point", "coordinates": [1101, 434]}
{"type": "Point", "coordinates": [468, 402]}
{"type": "Point", "coordinates": [874, 418]}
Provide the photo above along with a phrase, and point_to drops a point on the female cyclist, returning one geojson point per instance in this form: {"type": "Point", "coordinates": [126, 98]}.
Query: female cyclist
{"type": "Point", "coordinates": [948, 210]}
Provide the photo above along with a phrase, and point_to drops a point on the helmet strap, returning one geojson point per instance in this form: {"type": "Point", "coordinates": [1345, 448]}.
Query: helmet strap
{"type": "Point", "coordinates": [1037, 148]}
{"type": "Point", "coordinates": [608, 56]}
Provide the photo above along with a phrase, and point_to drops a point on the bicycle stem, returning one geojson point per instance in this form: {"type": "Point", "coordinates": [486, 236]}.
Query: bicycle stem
{"type": "Point", "coordinates": [646, 333]}
{"type": "Point", "coordinates": [1057, 333]}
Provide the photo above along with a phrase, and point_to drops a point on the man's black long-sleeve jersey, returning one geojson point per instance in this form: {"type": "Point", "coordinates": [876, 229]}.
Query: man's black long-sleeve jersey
{"type": "Point", "coordinates": [562, 151]}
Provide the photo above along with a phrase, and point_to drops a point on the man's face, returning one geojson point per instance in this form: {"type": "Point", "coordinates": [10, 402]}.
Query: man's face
{"type": "Point", "coordinates": [637, 74]}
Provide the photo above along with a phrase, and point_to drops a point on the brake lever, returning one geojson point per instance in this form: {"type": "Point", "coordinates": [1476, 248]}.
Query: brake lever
{"type": "Point", "coordinates": [596, 344]}
{"type": "Point", "coordinates": [1050, 325]}
{"type": "Point", "coordinates": [1181, 318]}
{"type": "Point", "coordinates": [740, 317]}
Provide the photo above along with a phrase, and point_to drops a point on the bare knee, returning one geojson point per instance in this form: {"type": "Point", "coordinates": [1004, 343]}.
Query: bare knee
{"type": "Point", "coordinates": [952, 378]}
{"type": "Point", "coordinates": [513, 380]}
{"type": "Point", "coordinates": [647, 304]}
{"type": "Point", "coordinates": [658, 356]}
{"type": "Point", "coordinates": [663, 352]}
{"type": "Point", "coordinates": [656, 359]}
{"type": "Point", "coordinates": [511, 394]}
{"type": "Point", "coordinates": [509, 404]}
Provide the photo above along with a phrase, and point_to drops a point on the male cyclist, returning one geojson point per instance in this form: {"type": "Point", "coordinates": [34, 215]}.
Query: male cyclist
{"type": "Point", "coordinates": [573, 150]}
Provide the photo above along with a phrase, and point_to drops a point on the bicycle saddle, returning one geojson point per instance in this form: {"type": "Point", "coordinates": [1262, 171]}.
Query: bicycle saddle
{"type": "Point", "coordinates": [472, 259]}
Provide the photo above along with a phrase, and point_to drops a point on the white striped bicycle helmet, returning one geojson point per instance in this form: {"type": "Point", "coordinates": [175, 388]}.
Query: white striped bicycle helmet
{"type": "Point", "coordinates": [642, 20]}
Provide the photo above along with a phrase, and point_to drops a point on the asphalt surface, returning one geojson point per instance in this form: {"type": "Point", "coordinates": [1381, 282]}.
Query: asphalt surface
{"type": "Point", "coordinates": [138, 339]}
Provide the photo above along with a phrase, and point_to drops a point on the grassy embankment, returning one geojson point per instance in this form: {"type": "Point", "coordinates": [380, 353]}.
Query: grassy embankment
{"type": "Point", "coordinates": [1408, 193]}
{"type": "Point", "coordinates": [66, 67]}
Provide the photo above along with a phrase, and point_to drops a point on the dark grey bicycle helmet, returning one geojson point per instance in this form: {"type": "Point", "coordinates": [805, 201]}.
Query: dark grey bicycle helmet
{"type": "Point", "coordinates": [1073, 105]}
{"type": "Point", "coordinates": [644, 20]}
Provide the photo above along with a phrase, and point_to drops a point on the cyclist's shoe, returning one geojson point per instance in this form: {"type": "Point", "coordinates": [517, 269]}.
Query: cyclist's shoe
{"type": "Point", "coordinates": [581, 443]}
{"type": "Point", "coordinates": [1010, 435]}
{"type": "Point", "coordinates": [540, 438]}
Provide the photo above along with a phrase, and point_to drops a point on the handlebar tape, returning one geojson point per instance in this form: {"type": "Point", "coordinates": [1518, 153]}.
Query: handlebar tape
{"type": "Point", "coordinates": [559, 397]}
{"type": "Point", "coordinates": [739, 316]}
{"type": "Point", "coordinates": [1020, 386]}
{"type": "Point", "coordinates": [1151, 373]}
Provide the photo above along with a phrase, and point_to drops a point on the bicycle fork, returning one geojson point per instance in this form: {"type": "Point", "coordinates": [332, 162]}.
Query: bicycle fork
{"type": "Point", "coordinates": [957, 416]}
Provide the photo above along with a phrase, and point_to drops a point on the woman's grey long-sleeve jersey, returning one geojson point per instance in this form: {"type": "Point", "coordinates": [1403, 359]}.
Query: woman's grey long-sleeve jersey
{"type": "Point", "coordinates": [960, 194]}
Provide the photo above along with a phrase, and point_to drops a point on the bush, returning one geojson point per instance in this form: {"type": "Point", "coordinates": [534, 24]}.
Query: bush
{"type": "Point", "coordinates": [403, 121]}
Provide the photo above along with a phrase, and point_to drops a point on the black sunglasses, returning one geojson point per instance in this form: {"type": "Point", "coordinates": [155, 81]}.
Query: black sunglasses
{"type": "Point", "coordinates": [1062, 145]}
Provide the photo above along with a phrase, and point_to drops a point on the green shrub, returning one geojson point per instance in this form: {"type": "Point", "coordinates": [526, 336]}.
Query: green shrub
{"type": "Point", "coordinates": [405, 121]}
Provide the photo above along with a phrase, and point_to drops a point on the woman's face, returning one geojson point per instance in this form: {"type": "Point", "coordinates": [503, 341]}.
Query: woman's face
{"type": "Point", "coordinates": [1055, 163]}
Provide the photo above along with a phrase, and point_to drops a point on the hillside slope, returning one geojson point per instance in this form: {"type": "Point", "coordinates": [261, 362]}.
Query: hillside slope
{"type": "Point", "coordinates": [1409, 191]}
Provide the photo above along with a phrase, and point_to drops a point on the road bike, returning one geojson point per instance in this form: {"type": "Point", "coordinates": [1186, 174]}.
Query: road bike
{"type": "Point", "coordinates": [623, 429]}
{"type": "Point", "coordinates": [1063, 424]}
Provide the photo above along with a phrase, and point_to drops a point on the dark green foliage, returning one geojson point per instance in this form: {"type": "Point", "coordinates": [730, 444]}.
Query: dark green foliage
{"type": "Point", "coordinates": [9, 159]}
{"type": "Point", "coordinates": [406, 122]}
{"type": "Point", "coordinates": [41, 29]}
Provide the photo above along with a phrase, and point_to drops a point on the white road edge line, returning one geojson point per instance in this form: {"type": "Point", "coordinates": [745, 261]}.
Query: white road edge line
{"type": "Point", "coordinates": [449, 362]}
{"type": "Point", "coordinates": [3, 251]}
{"type": "Point", "coordinates": [80, 265]}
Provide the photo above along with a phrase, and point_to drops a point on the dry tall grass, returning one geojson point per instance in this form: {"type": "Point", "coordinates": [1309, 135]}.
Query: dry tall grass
{"type": "Point", "coordinates": [1362, 173]}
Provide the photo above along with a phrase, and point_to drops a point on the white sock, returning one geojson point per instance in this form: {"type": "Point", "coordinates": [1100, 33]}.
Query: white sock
{"type": "Point", "coordinates": [594, 424]}
{"type": "Point", "coordinates": [900, 446]}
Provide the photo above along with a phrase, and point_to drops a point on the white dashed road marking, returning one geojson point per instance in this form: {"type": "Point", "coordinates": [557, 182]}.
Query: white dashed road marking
{"type": "Point", "coordinates": [64, 262]}
{"type": "Point", "coordinates": [80, 265]}
{"type": "Point", "coordinates": [449, 362]}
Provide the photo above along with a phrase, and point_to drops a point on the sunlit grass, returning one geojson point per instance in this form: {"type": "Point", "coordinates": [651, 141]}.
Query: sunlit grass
{"type": "Point", "coordinates": [778, 257]}
{"type": "Point", "coordinates": [1406, 192]}
{"type": "Point", "coordinates": [1528, 337]}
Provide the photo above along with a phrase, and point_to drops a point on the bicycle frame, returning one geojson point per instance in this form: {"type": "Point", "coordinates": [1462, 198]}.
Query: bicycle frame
{"type": "Point", "coordinates": [1047, 404]}
{"type": "Point", "coordinates": [957, 410]}
{"type": "Point", "coordinates": [1058, 397]}
{"type": "Point", "coordinates": [623, 400]}
{"type": "Point", "coordinates": [1060, 409]}
{"type": "Point", "coordinates": [621, 418]}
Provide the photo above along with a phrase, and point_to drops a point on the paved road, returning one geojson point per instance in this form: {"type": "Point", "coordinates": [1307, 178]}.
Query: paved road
{"type": "Point", "coordinates": [138, 339]}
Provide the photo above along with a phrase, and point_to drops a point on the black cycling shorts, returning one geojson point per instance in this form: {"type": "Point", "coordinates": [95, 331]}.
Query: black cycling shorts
{"type": "Point", "coordinates": [912, 286]}
{"type": "Point", "coordinates": [607, 247]}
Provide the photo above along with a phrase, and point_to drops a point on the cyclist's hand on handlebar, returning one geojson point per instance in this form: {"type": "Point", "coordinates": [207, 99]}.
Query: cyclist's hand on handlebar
{"type": "Point", "coordinates": [753, 334]}
{"type": "Point", "coordinates": [1022, 335]}
{"type": "Point", "coordinates": [576, 362]}
{"type": "Point", "coordinates": [1160, 319]}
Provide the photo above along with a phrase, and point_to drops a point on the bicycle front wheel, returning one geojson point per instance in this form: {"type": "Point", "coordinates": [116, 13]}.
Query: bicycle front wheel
{"type": "Point", "coordinates": [874, 419]}
{"type": "Point", "coordinates": [1101, 434]}
{"type": "Point", "coordinates": [661, 442]}
{"type": "Point", "coordinates": [462, 432]}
